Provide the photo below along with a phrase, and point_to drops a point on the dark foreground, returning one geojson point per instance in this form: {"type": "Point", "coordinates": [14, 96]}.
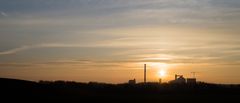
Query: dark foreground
{"type": "Point", "coordinates": [60, 91]}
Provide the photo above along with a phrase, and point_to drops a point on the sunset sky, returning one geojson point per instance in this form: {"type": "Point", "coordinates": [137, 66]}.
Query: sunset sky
{"type": "Point", "coordinates": [110, 40]}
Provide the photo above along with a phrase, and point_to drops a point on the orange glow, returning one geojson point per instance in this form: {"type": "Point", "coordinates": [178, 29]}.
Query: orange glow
{"type": "Point", "coordinates": [162, 73]}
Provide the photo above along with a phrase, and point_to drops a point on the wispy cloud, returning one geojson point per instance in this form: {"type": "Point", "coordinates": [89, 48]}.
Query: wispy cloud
{"type": "Point", "coordinates": [17, 65]}
{"type": "Point", "coordinates": [55, 45]}
{"type": "Point", "coordinates": [45, 45]}
{"type": "Point", "coordinates": [110, 64]}
{"type": "Point", "coordinates": [3, 14]}
{"type": "Point", "coordinates": [15, 50]}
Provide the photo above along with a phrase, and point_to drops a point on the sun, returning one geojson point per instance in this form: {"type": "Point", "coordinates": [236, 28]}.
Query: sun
{"type": "Point", "coordinates": [161, 69]}
{"type": "Point", "coordinates": [161, 73]}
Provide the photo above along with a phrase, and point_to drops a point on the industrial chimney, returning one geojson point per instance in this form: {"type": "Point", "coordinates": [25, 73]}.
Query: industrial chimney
{"type": "Point", "coordinates": [145, 70]}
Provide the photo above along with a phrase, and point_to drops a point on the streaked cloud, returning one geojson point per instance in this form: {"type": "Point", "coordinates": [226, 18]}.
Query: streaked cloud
{"type": "Point", "coordinates": [3, 14]}
{"type": "Point", "coordinates": [15, 50]}
{"type": "Point", "coordinates": [27, 47]}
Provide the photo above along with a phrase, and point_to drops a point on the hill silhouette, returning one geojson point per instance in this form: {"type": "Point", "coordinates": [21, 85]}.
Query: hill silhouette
{"type": "Point", "coordinates": [69, 91]}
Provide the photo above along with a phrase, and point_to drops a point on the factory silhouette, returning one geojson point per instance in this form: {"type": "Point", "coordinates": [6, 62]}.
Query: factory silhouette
{"type": "Point", "coordinates": [181, 89]}
{"type": "Point", "coordinates": [179, 79]}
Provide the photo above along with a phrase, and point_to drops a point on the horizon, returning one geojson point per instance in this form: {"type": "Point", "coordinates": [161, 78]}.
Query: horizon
{"type": "Point", "coordinates": [110, 40]}
{"type": "Point", "coordinates": [119, 83]}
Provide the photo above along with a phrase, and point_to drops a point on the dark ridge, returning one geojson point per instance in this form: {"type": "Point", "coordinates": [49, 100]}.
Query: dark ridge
{"type": "Point", "coordinates": [70, 91]}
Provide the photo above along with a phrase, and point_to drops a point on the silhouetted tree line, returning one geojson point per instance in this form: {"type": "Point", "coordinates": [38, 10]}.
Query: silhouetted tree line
{"type": "Point", "coordinates": [70, 91]}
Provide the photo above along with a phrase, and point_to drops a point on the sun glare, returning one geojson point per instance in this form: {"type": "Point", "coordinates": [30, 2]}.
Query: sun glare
{"type": "Point", "coordinates": [161, 69]}
{"type": "Point", "coordinates": [161, 73]}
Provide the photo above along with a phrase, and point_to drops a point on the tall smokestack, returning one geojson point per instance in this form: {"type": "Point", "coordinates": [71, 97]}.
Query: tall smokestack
{"type": "Point", "coordinates": [145, 70]}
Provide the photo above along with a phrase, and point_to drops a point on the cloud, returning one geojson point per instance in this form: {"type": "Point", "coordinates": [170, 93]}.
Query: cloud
{"type": "Point", "coordinates": [3, 14]}
{"type": "Point", "coordinates": [46, 45]}
{"type": "Point", "coordinates": [53, 45]}
{"type": "Point", "coordinates": [109, 64]}
{"type": "Point", "coordinates": [15, 50]}
{"type": "Point", "coordinates": [27, 47]}
{"type": "Point", "coordinates": [119, 14]}
{"type": "Point", "coordinates": [16, 64]}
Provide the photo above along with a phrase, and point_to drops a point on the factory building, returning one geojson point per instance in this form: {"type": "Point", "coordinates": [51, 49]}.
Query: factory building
{"type": "Point", "coordinates": [132, 82]}
{"type": "Point", "coordinates": [179, 79]}
{"type": "Point", "coordinates": [191, 80]}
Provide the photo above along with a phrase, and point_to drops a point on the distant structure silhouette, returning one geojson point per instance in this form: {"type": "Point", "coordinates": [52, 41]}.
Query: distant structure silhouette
{"type": "Point", "coordinates": [179, 79]}
{"type": "Point", "coordinates": [160, 81]}
{"type": "Point", "coordinates": [145, 73]}
{"type": "Point", "coordinates": [132, 82]}
{"type": "Point", "coordinates": [193, 74]}
{"type": "Point", "coordinates": [191, 80]}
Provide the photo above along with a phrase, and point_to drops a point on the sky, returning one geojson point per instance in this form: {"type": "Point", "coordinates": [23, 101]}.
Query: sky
{"type": "Point", "coordinates": [110, 40]}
